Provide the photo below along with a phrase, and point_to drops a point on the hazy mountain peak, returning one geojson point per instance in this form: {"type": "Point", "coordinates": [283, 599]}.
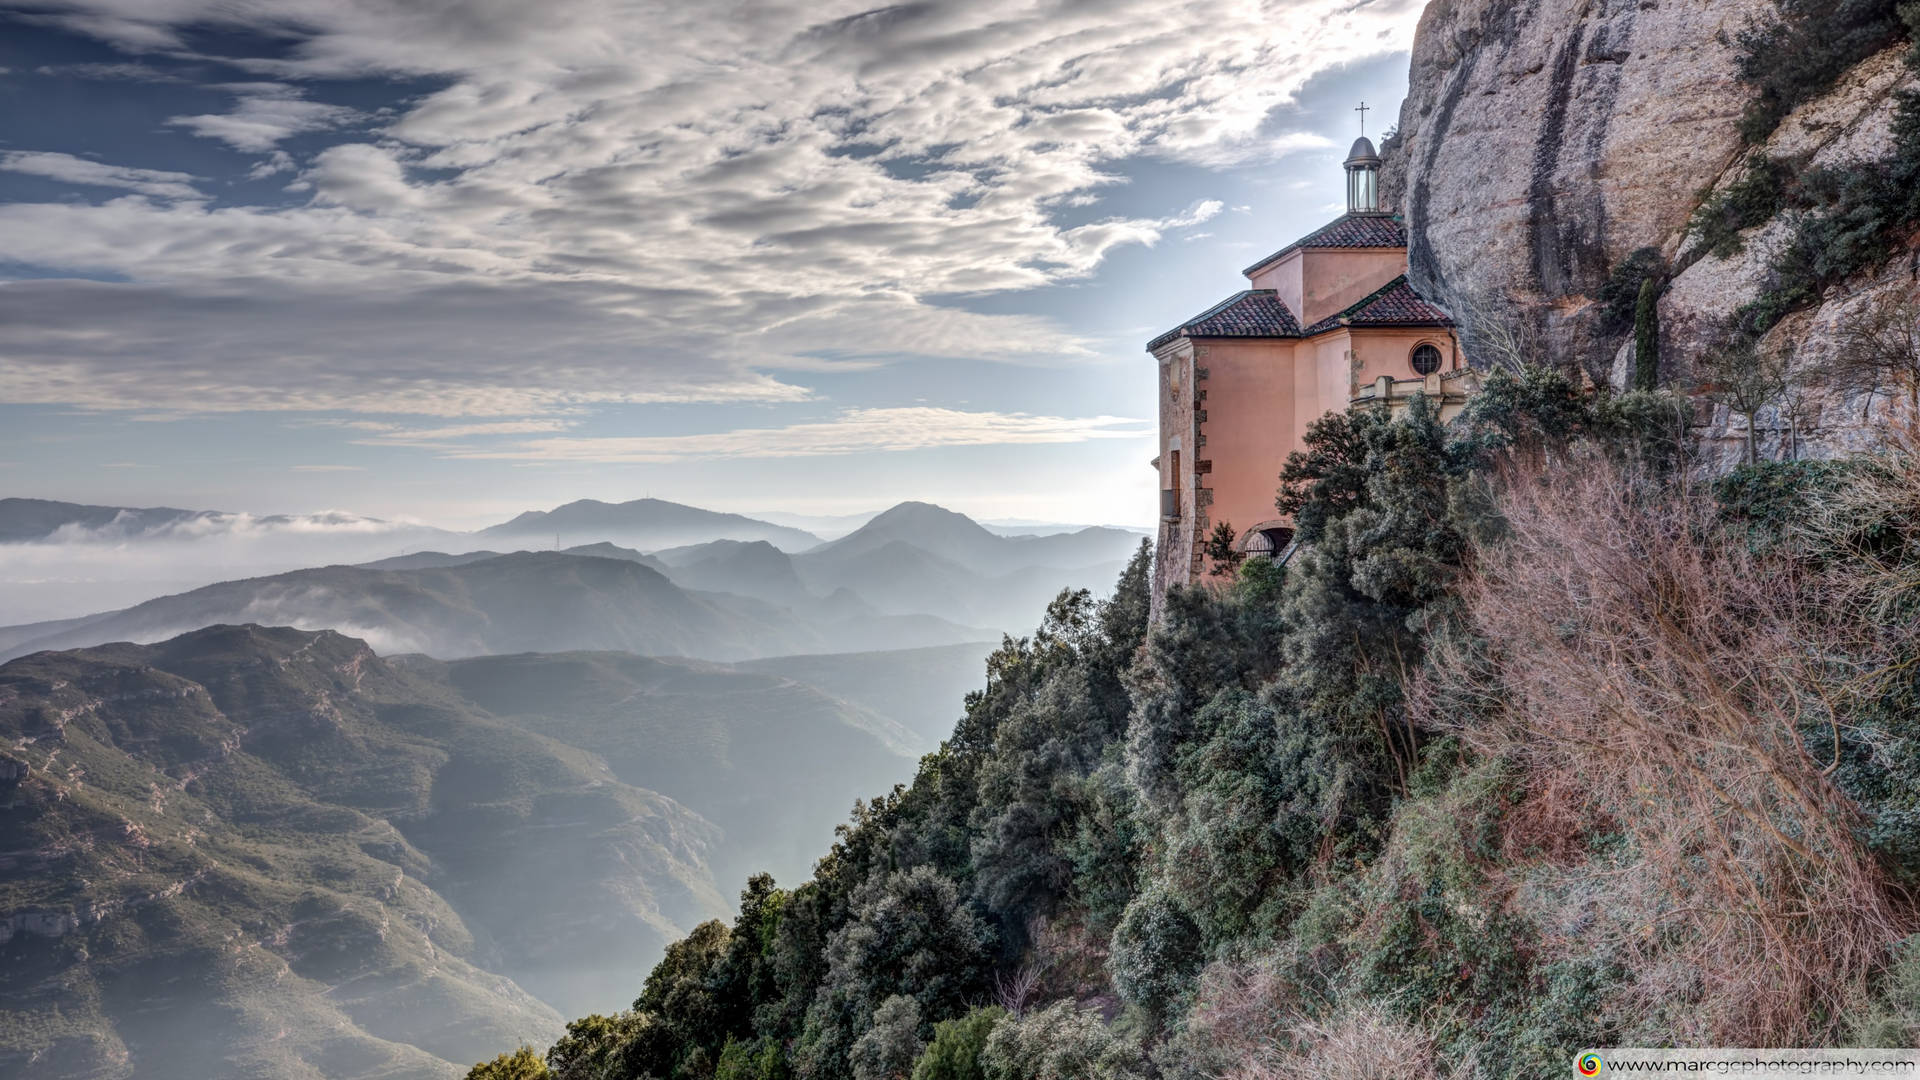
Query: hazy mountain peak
{"type": "Point", "coordinates": [648, 524]}
{"type": "Point", "coordinates": [914, 510]}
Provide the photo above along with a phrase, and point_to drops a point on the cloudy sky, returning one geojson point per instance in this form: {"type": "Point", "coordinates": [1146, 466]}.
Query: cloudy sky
{"type": "Point", "coordinates": [446, 260]}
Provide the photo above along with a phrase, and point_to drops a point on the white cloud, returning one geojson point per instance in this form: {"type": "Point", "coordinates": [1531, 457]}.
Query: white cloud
{"type": "Point", "coordinates": [278, 161]}
{"type": "Point", "coordinates": [66, 168]}
{"type": "Point", "coordinates": [388, 434]}
{"type": "Point", "coordinates": [617, 202]}
{"type": "Point", "coordinates": [852, 432]}
{"type": "Point", "coordinates": [265, 114]}
{"type": "Point", "coordinates": [130, 72]}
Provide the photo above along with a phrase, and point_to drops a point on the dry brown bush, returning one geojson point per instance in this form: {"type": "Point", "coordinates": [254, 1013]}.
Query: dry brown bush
{"type": "Point", "coordinates": [1243, 1012]}
{"type": "Point", "coordinates": [1249, 1023]}
{"type": "Point", "coordinates": [1651, 675]}
{"type": "Point", "coordinates": [1361, 1043]}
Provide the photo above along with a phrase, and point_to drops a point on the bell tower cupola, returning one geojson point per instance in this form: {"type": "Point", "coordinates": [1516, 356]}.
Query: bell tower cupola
{"type": "Point", "coordinates": [1363, 177]}
{"type": "Point", "coordinates": [1363, 171]}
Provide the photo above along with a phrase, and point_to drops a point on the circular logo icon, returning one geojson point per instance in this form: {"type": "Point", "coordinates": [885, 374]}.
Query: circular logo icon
{"type": "Point", "coordinates": [1589, 1064]}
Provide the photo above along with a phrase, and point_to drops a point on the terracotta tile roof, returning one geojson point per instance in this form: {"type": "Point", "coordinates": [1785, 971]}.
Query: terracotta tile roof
{"type": "Point", "coordinates": [1347, 231]}
{"type": "Point", "coordinates": [1393, 304]}
{"type": "Point", "coordinates": [1255, 313]}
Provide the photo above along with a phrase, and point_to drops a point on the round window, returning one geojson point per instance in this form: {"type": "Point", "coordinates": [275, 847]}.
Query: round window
{"type": "Point", "coordinates": [1426, 359]}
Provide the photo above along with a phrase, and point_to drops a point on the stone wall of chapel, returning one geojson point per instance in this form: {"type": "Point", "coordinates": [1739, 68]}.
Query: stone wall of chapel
{"type": "Point", "coordinates": [1246, 427]}
{"type": "Point", "coordinates": [1335, 279]}
{"type": "Point", "coordinates": [1390, 352]}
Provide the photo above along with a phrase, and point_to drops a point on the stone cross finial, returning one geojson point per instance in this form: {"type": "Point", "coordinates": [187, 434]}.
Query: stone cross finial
{"type": "Point", "coordinates": [1362, 110]}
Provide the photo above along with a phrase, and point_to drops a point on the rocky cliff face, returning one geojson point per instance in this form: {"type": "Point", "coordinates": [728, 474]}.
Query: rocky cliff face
{"type": "Point", "coordinates": [1543, 142]}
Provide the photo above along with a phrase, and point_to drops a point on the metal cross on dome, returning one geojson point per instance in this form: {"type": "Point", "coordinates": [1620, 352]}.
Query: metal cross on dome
{"type": "Point", "coordinates": [1362, 110]}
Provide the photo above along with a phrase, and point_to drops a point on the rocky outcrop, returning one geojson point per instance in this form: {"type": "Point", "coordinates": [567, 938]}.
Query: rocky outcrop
{"type": "Point", "coordinates": [1850, 124]}
{"type": "Point", "coordinates": [50, 924]}
{"type": "Point", "coordinates": [1542, 143]}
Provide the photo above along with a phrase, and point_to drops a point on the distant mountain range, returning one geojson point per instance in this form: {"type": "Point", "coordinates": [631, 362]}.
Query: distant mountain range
{"type": "Point", "coordinates": [916, 575]}
{"type": "Point", "coordinates": [321, 862]}
{"type": "Point", "coordinates": [647, 524]}
{"type": "Point", "coordinates": [27, 520]}
{"type": "Point", "coordinates": [36, 519]}
{"type": "Point", "coordinates": [959, 539]}
{"type": "Point", "coordinates": [528, 601]}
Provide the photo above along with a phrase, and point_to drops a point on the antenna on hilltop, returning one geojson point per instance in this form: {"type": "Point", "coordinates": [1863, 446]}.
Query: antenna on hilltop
{"type": "Point", "coordinates": [1363, 110]}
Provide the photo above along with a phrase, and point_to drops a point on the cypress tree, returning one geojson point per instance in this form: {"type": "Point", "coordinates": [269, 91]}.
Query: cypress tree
{"type": "Point", "coordinates": [1646, 337]}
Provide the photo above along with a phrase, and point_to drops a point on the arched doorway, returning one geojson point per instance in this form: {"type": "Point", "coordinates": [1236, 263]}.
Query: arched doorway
{"type": "Point", "coordinates": [1268, 540]}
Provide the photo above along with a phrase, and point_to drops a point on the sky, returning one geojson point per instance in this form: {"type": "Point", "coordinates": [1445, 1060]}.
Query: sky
{"type": "Point", "coordinates": [445, 261]}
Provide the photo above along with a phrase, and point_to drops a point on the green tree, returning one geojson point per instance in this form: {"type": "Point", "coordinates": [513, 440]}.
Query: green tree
{"type": "Point", "coordinates": [889, 1048]}
{"type": "Point", "coordinates": [744, 1060]}
{"type": "Point", "coordinates": [592, 1048]}
{"type": "Point", "coordinates": [1156, 952]}
{"type": "Point", "coordinates": [910, 934]}
{"type": "Point", "coordinates": [1059, 1042]}
{"type": "Point", "coordinates": [1621, 293]}
{"type": "Point", "coordinates": [1220, 551]}
{"type": "Point", "coordinates": [522, 1064]}
{"type": "Point", "coordinates": [1646, 337]}
{"type": "Point", "coordinates": [954, 1053]}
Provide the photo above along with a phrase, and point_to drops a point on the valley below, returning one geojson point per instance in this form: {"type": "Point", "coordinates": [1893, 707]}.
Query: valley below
{"type": "Point", "coordinates": [379, 819]}
{"type": "Point", "coordinates": [327, 862]}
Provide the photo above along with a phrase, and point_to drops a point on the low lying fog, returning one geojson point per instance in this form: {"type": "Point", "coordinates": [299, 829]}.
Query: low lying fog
{"type": "Point", "coordinates": [78, 571]}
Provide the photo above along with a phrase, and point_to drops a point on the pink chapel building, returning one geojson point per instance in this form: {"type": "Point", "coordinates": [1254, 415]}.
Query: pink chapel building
{"type": "Point", "coordinates": [1326, 323]}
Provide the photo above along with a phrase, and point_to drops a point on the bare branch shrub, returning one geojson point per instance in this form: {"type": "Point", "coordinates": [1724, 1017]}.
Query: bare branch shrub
{"type": "Point", "coordinates": [1745, 377]}
{"type": "Point", "coordinates": [1243, 1012]}
{"type": "Point", "coordinates": [1361, 1043]}
{"type": "Point", "coordinates": [1253, 1025]}
{"type": "Point", "coordinates": [1500, 330]}
{"type": "Point", "coordinates": [1013, 992]}
{"type": "Point", "coordinates": [1652, 675]}
{"type": "Point", "coordinates": [1878, 349]}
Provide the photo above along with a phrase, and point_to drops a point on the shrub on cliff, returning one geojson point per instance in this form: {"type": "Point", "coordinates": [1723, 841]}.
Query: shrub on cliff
{"type": "Point", "coordinates": [1620, 295]}
{"type": "Point", "coordinates": [1752, 200]}
{"type": "Point", "coordinates": [1157, 951]}
{"type": "Point", "coordinates": [1796, 57]}
{"type": "Point", "coordinates": [1062, 1040]}
{"type": "Point", "coordinates": [1851, 214]}
{"type": "Point", "coordinates": [910, 936]}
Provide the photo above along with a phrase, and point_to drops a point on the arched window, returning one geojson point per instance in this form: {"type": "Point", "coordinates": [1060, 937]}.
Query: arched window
{"type": "Point", "coordinates": [1426, 359]}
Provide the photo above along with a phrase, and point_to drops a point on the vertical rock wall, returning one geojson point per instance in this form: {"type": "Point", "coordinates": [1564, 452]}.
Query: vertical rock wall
{"type": "Point", "coordinates": [1542, 143]}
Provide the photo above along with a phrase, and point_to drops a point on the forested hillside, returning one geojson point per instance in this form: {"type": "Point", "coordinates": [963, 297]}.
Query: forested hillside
{"type": "Point", "coordinates": [1536, 744]}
